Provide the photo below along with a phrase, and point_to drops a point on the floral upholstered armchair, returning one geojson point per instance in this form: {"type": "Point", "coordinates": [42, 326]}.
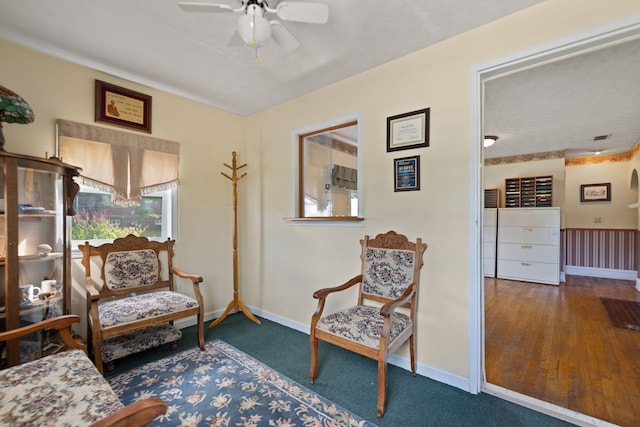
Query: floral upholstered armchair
{"type": "Point", "coordinates": [132, 299]}
{"type": "Point", "coordinates": [65, 388]}
{"type": "Point", "coordinates": [374, 327]}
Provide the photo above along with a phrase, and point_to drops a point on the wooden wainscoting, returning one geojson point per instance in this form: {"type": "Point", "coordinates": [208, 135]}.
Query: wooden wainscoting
{"type": "Point", "coordinates": [556, 344]}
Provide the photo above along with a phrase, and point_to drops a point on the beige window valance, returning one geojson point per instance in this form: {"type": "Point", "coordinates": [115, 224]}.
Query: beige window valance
{"type": "Point", "coordinates": [344, 177]}
{"type": "Point", "coordinates": [124, 164]}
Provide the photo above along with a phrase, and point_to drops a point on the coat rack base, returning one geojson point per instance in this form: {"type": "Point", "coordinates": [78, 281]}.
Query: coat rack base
{"type": "Point", "coordinates": [235, 306]}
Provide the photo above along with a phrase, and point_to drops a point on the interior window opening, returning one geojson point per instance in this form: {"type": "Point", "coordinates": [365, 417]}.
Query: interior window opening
{"type": "Point", "coordinates": [328, 175]}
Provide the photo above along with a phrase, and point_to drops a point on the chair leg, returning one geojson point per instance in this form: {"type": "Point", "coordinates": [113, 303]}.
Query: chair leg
{"type": "Point", "coordinates": [313, 371]}
{"type": "Point", "coordinates": [382, 387]}
{"type": "Point", "coordinates": [200, 321]}
{"type": "Point", "coordinates": [97, 355]}
{"type": "Point", "coordinates": [173, 345]}
{"type": "Point", "coordinates": [412, 350]}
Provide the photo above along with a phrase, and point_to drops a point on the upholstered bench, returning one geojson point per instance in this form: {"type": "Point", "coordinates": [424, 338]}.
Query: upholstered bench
{"type": "Point", "coordinates": [65, 388]}
{"type": "Point", "coordinates": [132, 299]}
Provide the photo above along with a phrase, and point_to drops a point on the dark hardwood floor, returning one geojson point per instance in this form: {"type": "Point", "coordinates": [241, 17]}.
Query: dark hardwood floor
{"type": "Point", "coordinates": [556, 344]}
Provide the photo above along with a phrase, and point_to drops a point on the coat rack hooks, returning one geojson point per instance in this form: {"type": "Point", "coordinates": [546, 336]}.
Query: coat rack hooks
{"type": "Point", "coordinates": [236, 305]}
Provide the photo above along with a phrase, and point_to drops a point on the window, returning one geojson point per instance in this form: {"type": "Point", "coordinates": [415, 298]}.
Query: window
{"type": "Point", "coordinates": [98, 220]}
{"type": "Point", "coordinates": [128, 182]}
{"type": "Point", "coordinates": [329, 170]}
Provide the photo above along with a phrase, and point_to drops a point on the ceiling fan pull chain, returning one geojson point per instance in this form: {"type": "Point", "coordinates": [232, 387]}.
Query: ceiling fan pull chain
{"type": "Point", "coordinates": [254, 41]}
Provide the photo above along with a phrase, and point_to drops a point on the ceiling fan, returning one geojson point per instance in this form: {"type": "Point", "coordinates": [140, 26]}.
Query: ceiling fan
{"type": "Point", "coordinates": [254, 29]}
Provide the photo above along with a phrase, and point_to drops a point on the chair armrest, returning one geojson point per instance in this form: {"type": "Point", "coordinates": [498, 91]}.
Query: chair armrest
{"type": "Point", "coordinates": [193, 277]}
{"type": "Point", "coordinates": [322, 293]}
{"type": "Point", "coordinates": [321, 296]}
{"type": "Point", "coordinates": [91, 289]}
{"type": "Point", "coordinates": [136, 414]}
{"type": "Point", "coordinates": [387, 309]}
{"type": "Point", "coordinates": [391, 306]}
{"type": "Point", "coordinates": [62, 324]}
{"type": "Point", "coordinates": [195, 280]}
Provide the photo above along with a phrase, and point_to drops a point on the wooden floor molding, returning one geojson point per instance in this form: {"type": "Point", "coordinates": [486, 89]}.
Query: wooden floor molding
{"type": "Point", "coordinates": [556, 344]}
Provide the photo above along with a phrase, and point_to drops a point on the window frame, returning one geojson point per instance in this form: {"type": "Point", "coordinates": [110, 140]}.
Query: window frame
{"type": "Point", "coordinates": [297, 208]}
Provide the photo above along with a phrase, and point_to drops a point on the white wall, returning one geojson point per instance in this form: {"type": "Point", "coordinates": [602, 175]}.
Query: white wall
{"type": "Point", "coordinates": [282, 263]}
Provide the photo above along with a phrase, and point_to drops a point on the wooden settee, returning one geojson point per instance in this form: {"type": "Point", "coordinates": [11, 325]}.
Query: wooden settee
{"type": "Point", "coordinates": [65, 388]}
{"type": "Point", "coordinates": [132, 299]}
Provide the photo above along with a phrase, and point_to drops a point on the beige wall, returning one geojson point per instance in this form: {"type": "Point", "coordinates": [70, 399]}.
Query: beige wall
{"type": "Point", "coordinates": [57, 89]}
{"type": "Point", "coordinates": [494, 176]}
{"type": "Point", "coordinates": [281, 262]}
{"type": "Point", "coordinates": [613, 214]}
{"type": "Point", "coordinates": [436, 77]}
{"type": "Point", "coordinates": [566, 190]}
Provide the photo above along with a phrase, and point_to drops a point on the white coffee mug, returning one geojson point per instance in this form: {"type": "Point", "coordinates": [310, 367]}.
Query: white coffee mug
{"type": "Point", "coordinates": [34, 292]}
{"type": "Point", "coordinates": [28, 293]}
{"type": "Point", "coordinates": [48, 286]}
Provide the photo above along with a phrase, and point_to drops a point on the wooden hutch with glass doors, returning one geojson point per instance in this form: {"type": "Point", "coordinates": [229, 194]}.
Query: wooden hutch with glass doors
{"type": "Point", "coordinates": [35, 210]}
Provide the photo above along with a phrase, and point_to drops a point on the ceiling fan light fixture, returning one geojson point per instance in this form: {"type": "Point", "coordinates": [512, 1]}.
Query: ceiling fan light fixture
{"type": "Point", "coordinates": [489, 140]}
{"type": "Point", "coordinates": [254, 29]}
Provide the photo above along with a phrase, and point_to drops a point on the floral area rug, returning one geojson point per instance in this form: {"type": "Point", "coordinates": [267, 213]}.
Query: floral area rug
{"type": "Point", "coordinates": [223, 386]}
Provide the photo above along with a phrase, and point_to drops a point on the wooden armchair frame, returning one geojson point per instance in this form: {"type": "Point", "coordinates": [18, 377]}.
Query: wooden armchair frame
{"type": "Point", "coordinates": [408, 299]}
{"type": "Point", "coordinates": [137, 414]}
{"type": "Point", "coordinates": [95, 295]}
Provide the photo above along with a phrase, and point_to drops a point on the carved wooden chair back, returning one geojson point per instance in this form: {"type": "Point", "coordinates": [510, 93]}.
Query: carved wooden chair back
{"type": "Point", "coordinates": [115, 267]}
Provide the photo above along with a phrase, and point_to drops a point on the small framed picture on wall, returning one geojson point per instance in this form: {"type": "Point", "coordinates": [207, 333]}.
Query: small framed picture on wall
{"type": "Point", "coordinates": [595, 192]}
{"type": "Point", "coordinates": [406, 173]}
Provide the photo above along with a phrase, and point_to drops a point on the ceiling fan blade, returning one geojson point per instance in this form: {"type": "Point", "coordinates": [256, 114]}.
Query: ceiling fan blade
{"type": "Point", "coordinates": [207, 7]}
{"type": "Point", "coordinates": [314, 13]}
{"type": "Point", "coordinates": [283, 37]}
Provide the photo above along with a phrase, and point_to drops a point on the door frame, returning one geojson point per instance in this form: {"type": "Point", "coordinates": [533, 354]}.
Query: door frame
{"type": "Point", "coordinates": [598, 37]}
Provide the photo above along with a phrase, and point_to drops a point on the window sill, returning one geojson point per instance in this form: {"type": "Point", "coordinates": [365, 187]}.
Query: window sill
{"type": "Point", "coordinates": [326, 219]}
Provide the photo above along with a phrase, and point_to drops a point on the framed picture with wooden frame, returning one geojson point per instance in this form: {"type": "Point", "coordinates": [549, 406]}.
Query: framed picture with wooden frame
{"type": "Point", "coordinates": [122, 107]}
{"type": "Point", "coordinates": [406, 176]}
{"type": "Point", "coordinates": [595, 192]}
{"type": "Point", "coordinates": [408, 130]}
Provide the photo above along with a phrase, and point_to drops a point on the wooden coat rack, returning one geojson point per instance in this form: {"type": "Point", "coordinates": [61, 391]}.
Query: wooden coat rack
{"type": "Point", "coordinates": [237, 304]}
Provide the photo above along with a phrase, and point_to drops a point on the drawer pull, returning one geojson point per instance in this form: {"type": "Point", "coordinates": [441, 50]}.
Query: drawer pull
{"type": "Point", "coordinates": [526, 247]}
{"type": "Point", "coordinates": [527, 229]}
{"type": "Point", "coordinates": [525, 264]}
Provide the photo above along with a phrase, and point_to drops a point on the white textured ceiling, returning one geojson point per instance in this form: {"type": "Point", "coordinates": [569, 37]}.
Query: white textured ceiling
{"type": "Point", "coordinates": [565, 104]}
{"type": "Point", "coordinates": [155, 43]}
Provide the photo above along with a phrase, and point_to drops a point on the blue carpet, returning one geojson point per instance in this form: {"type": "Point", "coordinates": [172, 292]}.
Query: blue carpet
{"type": "Point", "coordinates": [223, 386]}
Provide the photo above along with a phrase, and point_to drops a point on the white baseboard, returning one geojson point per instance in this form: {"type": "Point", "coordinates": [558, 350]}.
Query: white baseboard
{"type": "Point", "coordinates": [606, 273]}
{"type": "Point", "coordinates": [638, 284]}
{"type": "Point", "coordinates": [555, 411]}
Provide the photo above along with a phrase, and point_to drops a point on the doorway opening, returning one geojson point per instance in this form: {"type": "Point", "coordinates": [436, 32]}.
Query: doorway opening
{"type": "Point", "coordinates": [598, 38]}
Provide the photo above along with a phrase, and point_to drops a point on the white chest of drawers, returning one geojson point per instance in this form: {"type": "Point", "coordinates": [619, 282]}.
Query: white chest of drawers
{"type": "Point", "coordinates": [529, 244]}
